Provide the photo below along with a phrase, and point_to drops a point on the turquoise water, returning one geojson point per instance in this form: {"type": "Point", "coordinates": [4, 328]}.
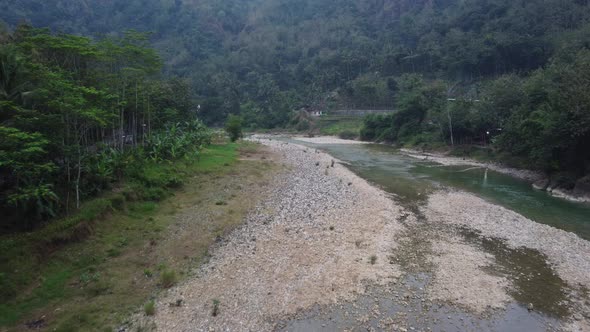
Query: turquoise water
{"type": "Point", "coordinates": [412, 179]}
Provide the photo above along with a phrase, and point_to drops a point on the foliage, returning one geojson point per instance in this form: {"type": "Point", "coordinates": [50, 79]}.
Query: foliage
{"type": "Point", "coordinates": [549, 126]}
{"type": "Point", "coordinates": [67, 261]}
{"type": "Point", "coordinates": [542, 119]}
{"type": "Point", "coordinates": [348, 134]}
{"type": "Point", "coordinates": [215, 310]}
{"type": "Point", "coordinates": [168, 278]}
{"type": "Point", "coordinates": [417, 102]}
{"type": "Point", "coordinates": [178, 140]}
{"type": "Point", "coordinates": [373, 259]}
{"type": "Point", "coordinates": [264, 58]}
{"type": "Point", "coordinates": [150, 308]}
{"type": "Point", "coordinates": [76, 114]}
{"type": "Point", "coordinates": [335, 125]}
{"type": "Point", "coordinates": [233, 127]}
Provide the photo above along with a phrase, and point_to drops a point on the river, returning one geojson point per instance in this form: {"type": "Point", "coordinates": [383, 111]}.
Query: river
{"type": "Point", "coordinates": [412, 179]}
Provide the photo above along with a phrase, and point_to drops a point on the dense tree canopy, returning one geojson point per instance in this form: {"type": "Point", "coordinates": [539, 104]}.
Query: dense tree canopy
{"type": "Point", "coordinates": [273, 54]}
{"type": "Point", "coordinates": [74, 112]}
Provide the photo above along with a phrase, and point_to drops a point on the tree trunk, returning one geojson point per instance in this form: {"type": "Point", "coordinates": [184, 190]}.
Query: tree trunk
{"type": "Point", "coordinates": [78, 178]}
{"type": "Point", "coordinates": [450, 126]}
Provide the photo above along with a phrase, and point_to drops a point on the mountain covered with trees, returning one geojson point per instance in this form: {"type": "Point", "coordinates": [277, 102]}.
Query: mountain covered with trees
{"type": "Point", "coordinates": [510, 73]}
{"type": "Point", "coordinates": [264, 56]}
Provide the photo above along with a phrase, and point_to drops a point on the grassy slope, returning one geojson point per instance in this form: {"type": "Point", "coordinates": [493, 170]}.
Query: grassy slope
{"type": "Point", "coordinates": [332, 125]}
{"type": "Point", "coordinates": [95, 282]}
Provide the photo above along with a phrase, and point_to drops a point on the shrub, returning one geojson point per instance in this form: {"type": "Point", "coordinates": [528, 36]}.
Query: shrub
{"type": "Point", "coordinates": [303, 126]}
{"type": "Point", "coordinates": [7, 287]}
{"type": "Point", "coordinates": [167, 278]}
{"type": "Point", "coordinates": [118, 202]}
{"type": "Point", "coordinates": [233, 127]}
{"type": "Point", "coordinates": [179, 140]}
{"type": "Point", "coordinates": [150, 308]}
{"type": "Point", "coordinates": [88, 277]}
{"type": "Point", "coordinates": [215, 310]}
{"type": "Point", "coordinates": [99, 287]}
{"type": "Point", "coordinates": [373, 259]}
{"type": "Point", "coordinates": [114, 252]}
{"type": "Point", "coordinates": [154, 194]}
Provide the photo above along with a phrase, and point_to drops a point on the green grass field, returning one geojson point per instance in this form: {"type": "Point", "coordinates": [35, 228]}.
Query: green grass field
{"type": "Point", "coordinates": [89, 271]}
{"type": "Point", "coordinates": [336, 125]}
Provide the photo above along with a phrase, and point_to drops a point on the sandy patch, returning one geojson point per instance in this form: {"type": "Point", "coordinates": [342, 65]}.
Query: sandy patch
{"type": "Point", "coordinates": [459, 277]}
{"type": "Point", "coordinates": [567, 253]}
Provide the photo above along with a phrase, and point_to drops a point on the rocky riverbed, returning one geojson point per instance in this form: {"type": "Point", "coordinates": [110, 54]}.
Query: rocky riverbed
{"type": "Point", "coordinates": [328, 251]}
{"type": "Point", "coordinates": [323, 234]}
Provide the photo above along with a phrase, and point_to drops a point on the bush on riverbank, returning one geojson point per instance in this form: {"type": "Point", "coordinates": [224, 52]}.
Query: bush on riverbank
{"type": "Point", "coordinates": [90, 262]}
{"type": "Point", "coordinates": [80, 116]}
{"type": "Point", "coordinates": [540, 121]}
{"type": "Point", "coordinates": [233, 127]}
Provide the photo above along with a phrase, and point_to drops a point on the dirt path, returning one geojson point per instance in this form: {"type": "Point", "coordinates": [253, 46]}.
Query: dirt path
{"type": "Point", "coordinates": [328, 251]}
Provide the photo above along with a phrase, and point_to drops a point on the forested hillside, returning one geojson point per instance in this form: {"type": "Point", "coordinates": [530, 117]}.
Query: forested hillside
{"type": "Point", "coordinates": [264, 58]}
{"type": "Point", "coordinates": [77, 116]}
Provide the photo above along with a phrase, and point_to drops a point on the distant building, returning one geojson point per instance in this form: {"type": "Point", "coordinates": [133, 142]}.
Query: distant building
{"type": "Point", "coordinates": [312, 112]}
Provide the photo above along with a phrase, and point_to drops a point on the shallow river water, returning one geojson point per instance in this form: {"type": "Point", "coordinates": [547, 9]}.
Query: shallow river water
{"type": "Point", "coordinates": [412, 179]}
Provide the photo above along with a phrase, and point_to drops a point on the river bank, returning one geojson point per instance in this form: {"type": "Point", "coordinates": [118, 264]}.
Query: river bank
{"type": "Point", "coordinates": [528, 175]}
{"type": "Point", "coordinates": [537, 179]}
{"type": "Point", "coordinates": [327, 250]}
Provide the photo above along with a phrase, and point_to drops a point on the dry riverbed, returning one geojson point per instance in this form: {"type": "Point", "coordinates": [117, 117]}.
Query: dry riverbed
{"type": "Point", "coordinates": [325, 250]}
